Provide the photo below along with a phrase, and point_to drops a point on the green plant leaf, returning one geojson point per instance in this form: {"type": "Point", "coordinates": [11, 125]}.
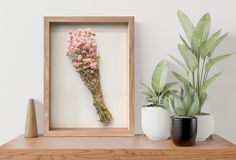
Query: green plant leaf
{"type": "Point", "coordinates": [165, 103]}
{"type": "Point", "coordinates": [189, 58]}
{"type": "Point", "coordinates": [147, 90]}
{"type": "Point", "coordinates": [202, 99]}
{"type": "Point", "coordinates": [178, 106]}
{"type": "Point", "coordinates": [201, 31]}
{"type": "Point", "coordinates": [184, 42]}
{"type": "Point", "coordinates": [168, 86]}
{"type": "Point", "coordinates": [153, 100]}
{"type": "Point", "coordinates": [186, 24]}
{"type": "Point", "coordinates": [187, 100]}
{"type": "Point", "coordinates": [207, 46]}
{"type": "Point", "coordinates": [168, 93]}
{"type": "Point", "coordinates": [191, 91]}
{"type": "Point", "coordinates": [181, 64]}
{"type": "Point", "coordinates": [209, 81]}
{"type": "Point", "coordinates": [194, 108]}
{"type": "Point", "coordinates": [183, 80]}
{"type": "Point", "coordinates": [215, 44]}
{"type": "Point", "coordinates": [159, 76]}
{"type": "Point", "coordinates": [214, 60]}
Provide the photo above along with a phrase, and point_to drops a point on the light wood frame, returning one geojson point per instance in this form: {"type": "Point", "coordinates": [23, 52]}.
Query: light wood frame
{"type": "Point", "coordinates": [129, 131]}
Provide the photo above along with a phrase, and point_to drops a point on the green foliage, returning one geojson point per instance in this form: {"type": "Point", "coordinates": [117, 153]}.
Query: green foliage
{"type": "Point", "coordinates": [189, 58]}
{"type": "Point", "coordinates": [215, 44]}
{"type": "Point", "coordinates": [186, 24]}
{"type": "Point", "coordinates": [181, 79]}
{"type": "Point", "coordinates": [159, 92]}
{"type": "Point", "coordinates": [208, 82]}
{"type": "Point", "coordinates": [214, 60]}
{"type": "Point", "coordinates": [197, 55]}
{"type": "Point", "coordinates": [159, 76]}
{"type": "Point", "coordinates": [209, 44]}
{"type": "Point", "coordinates": [185, 104]}
{"type": "Point", "coordinates": [200, 33]}
{"type": "Point", "coordinates": [180, 63]}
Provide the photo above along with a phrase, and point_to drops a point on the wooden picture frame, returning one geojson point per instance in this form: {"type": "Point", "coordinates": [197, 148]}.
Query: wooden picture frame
{"type": "Point", "coordinates": [126, 131]}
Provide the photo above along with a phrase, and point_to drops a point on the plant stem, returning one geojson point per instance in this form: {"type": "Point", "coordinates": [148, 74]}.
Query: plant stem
{"type": "Point", "coordinates": [206, 76]}
{"type": "Point", "coordinates": [198, 74]}
{"type": "Point", "coordinates": [193, 78]}
{"type": "Point", "coordinates": [203, 67]}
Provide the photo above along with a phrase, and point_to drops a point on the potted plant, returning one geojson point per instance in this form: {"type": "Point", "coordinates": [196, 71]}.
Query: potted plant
{"type": "Point", "coordinates": [197, 52]}
{"type": "Point", "coordinates": [155, 117]}
{"type": "Point", "coordinates": [183, 123]}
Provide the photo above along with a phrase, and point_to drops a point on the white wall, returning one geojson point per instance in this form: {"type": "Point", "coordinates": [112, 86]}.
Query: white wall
{"type": "Point", "coordinates": [157, 28]}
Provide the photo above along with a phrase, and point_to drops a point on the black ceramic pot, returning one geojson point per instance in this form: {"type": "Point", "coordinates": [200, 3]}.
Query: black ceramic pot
{"type": "Point", "coordinates": [183, 130]}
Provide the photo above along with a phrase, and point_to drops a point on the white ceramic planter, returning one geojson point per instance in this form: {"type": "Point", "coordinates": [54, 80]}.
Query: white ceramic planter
{"type": "Point", "coordinates": [206, 125]}
{"type": "Point", "coordinates": [156, 123]}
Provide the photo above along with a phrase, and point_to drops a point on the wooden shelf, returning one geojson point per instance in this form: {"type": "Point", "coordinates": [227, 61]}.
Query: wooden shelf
{"type": "Point", "coordinates": [122, 148]}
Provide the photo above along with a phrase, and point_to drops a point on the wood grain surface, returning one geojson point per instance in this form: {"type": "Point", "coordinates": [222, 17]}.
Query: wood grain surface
{"type": "Point", "coordinates": [138, 147]}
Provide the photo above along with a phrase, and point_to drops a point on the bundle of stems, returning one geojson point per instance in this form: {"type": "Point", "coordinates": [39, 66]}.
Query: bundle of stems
{"type": "Point", "coordinates": [84, 56]}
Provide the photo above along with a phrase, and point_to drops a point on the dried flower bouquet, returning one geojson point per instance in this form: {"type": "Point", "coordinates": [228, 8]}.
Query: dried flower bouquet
{"type": "Point", "coordinates": [84, 56]}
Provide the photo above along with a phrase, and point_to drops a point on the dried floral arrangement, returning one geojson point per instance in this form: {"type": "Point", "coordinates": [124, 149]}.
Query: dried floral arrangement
{"type": "Point", "coordinates": [84, 56]}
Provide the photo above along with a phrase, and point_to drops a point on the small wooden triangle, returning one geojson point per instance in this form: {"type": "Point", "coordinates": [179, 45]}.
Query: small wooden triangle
{"type": "Point", "coordinates": [31, 123]}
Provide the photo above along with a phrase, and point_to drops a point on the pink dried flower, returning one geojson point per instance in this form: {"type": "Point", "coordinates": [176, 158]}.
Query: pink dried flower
{"type": "Point", "coordinates": [87, 46]}
{"type": "Point", "coordinates": [83, 43]}
{"type": "Point", "coordinates": [80, 43]}
{"type": "Point", "coordinates": [84, 60]}
{"type": "Point", "coordinates": [94, 44]}
{"type": "Point", "coordinates": [93, 65]}
{"type": "Point", "coordinates": [78, 39]}
{"type": "Point", "coordinates": [76, 65]}
{"type": "Point", "coordinates": [79, 58]}
{"type": "Point", "coordinates": [91, 50]}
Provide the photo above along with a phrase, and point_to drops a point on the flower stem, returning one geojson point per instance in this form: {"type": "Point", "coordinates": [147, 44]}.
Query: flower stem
{"type": "Point", "coordinates": [105, 117]}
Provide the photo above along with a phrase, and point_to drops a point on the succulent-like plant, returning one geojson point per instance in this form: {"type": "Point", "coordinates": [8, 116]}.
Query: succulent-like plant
{"type": "Point", "coordinates": [186, 104]}
{"type": "Point", "coordinates": [159, 92]}
{"type": "Point", "coordinates": [197, 53]}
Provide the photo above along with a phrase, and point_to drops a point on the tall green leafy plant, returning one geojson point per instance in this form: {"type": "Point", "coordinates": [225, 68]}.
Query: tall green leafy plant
{"type": "Point", "coordinates": [159, 92]}
{"type": "Point", "coordinates": [197, 52]}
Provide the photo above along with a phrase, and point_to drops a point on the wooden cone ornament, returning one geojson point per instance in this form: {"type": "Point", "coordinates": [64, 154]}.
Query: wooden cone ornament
{"type": "Point", "coordinates": [31, 123]}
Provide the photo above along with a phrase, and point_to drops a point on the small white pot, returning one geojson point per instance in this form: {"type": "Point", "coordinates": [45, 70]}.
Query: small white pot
{"type": "Point", "coordinates": [156, 123]}
{"type": "Point", "coordinates": [206, 125]}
